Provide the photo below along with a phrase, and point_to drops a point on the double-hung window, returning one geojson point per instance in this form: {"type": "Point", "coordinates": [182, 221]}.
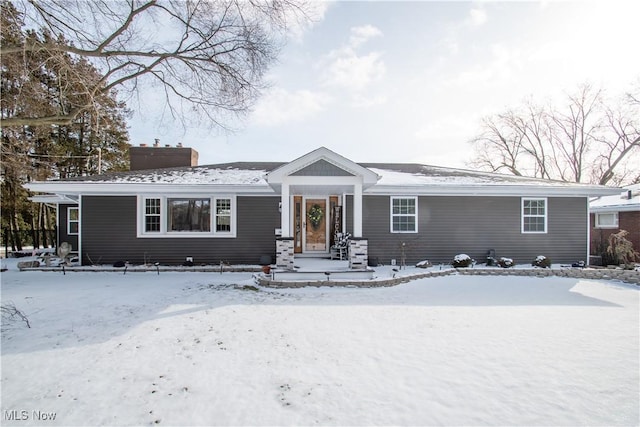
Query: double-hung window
{"type": "Point", "coordinates": [404, 214]}
{"type": "Point", "coordinates": [534, 215]}
{"type": "Point", "coordinates": [223, 215]}
{"type": "Point", "coordinates": [73, 220]}
{"type": "Point", "coordinates": [152, 215]}
{"type": "Point", "coordinates": [180, 216]}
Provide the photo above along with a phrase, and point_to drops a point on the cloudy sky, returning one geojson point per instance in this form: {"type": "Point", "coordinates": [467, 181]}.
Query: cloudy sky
{"type": "Point", "coordinates": [410, 81]}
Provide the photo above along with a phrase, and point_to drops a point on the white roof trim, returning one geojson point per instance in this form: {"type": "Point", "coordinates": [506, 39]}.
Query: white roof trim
{"type": "Point", "coordinates": [110, 188]}
{"type": "Point", "coordinates": [54, 199]}
{"type": "Point", "coordinates": [615, 208]}
{"type": "Point", "coordinates": [488, 190]}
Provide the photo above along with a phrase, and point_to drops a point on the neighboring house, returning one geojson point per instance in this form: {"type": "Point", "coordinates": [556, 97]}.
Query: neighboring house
{"type": "Point", "coordinates": [610, 214]}
{"type": "Point", "coordinates": [240, 212]}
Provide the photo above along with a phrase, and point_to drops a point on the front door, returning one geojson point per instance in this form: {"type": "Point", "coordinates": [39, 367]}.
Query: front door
{"type": "Point", "coordinates": [315, 225]}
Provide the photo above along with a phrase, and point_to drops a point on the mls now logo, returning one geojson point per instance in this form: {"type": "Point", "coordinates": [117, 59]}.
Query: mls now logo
{"type": "Point", "coordinates": [23, 415]}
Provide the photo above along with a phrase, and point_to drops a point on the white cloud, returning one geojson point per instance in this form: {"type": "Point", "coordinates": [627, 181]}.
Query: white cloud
{"type": "Point", "coordinates": [349, 70]}
{"type": "Point", "coordinates": [450, 42]}
{"type": "Point", "coordinates": [503, 64]}
{"type": "Point", "coordinates": [366, 101]}
{"type": "Point", "coordinates": [346, 68]}
{"type": "Point", "coordinates": [280, 106]}
{"type": "Point", "coordinates": [301, 21]}
{"type": "Point", "coordinates": [359, 35]}
{"type": "Point", "coordinates": [477, 17]}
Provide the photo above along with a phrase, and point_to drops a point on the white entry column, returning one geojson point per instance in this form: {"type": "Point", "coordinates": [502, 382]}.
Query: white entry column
{"type": "Point", "coordinates": [284, 243]}
{"type": "Point", "coordinates": [285, 210]}
{"type": "Point", "coordinates": [358, 246]}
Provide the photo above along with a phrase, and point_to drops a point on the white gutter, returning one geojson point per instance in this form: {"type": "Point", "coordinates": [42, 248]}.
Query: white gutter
{"type": "Point", "coordinates": [491, 190]}
{"type": "Point", "coordinates": [616, 208]}
{"type": "Point", "coordinates": [53, 199]}
{"type": "Point", "coordinates": [123, 189]}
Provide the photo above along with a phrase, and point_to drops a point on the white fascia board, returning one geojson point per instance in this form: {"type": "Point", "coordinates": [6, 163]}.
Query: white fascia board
{"type": "Point", "coordinates": [123, 189]}
{"type": "Point", "coordinates": [614, 208]}
{"type": "Point", "coordinates": [53, 199]}
{"type": "Point", "coordinates": [490, 190]}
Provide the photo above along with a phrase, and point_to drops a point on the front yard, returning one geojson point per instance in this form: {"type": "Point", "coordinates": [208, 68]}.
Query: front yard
{"type": "Point", "coordinates": [214, 349]}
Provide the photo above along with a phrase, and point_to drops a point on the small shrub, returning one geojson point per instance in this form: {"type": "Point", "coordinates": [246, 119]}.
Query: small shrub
{"type": "Point", "coordinates": [11, 314]}
{"type": "Point", "coordinates": [505, 262]}
{"type": "Point", "coordinates": [461, 260]}
{"type": "Point", "coordinates": [542, 262]}
{"type": "Point", "coordinates": [621, 249]}
{"type": "Point", "coordinates": [424, 264]}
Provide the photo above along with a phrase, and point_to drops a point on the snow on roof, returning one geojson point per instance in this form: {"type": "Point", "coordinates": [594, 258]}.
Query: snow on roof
{"type": "Point", "coordinates": [620, 201]}
{"type": "Point", "coordinates": [253, 173]}
{"type": "Point", "coordinates": [416, 174]}
{"type": "Point", "coordinates": [253, 176]}
{"type": "Point", "coordinates": [223, 174]}
{"type": "Point", "coordinates": [201, 175]}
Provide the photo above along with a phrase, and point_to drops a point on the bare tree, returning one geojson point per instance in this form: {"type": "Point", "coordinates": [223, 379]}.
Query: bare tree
{"type": "Point", "coordinates": [623, 139]}
{"type": "Point", "coordinates": [208, 57]}
{"type": "Point", "coordinates": [517, 141]}
{"type": "Point", "coordinates": [591, 138]}
{"type": "Point", "coordinates": [499, 146]}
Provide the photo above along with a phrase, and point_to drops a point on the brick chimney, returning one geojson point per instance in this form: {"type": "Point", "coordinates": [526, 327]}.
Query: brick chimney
{"type": "Point", "coordinates": [156, 157]}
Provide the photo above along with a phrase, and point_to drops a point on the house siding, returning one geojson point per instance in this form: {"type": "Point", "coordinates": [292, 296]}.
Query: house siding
{"type": "Point", "coordinates": [321, 168]}
{"type": "Point", "coordinates": [110, 235]}
{"type": "Point", "coordinates": [452, 225]}
{"type": "Point", "coordinates": [63, 236]}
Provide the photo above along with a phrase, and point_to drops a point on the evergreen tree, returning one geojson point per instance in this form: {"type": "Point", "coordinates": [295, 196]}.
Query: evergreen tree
{"type": "Point", "coordinates": [37, 83]}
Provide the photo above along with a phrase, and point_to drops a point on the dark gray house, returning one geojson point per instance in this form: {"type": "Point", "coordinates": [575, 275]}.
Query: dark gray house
{"type": "Point", "coordinates": [240, 212]}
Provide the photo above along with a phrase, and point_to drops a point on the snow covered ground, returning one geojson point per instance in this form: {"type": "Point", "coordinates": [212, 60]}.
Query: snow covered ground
{"type": "Point", "coordinates": [214, 349]}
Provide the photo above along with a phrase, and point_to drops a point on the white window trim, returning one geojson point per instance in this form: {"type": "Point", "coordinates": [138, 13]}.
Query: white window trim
{"type": "Point", "coordinates": [69, 221]}
{"type": "Point", "coordinates": [164, 233]}
{"type": "Point", "coordinates": [391, 215]}
{"type": "Point", "coordinates": [546, 215]}
{"type": "Point", "coordinates": [610, 226]}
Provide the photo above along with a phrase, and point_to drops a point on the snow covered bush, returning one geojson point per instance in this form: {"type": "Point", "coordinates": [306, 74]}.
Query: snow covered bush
{"type": "Point", "coordinates": [621, 249]}
{"type": "Point", "coordinates": [461, 260]}
{"type": "Point", "coordinates": [505, 262]}
{"type": "Point", "coordinates": [424, 264]}
{"type": "Point", "coordinates": [542, 262]}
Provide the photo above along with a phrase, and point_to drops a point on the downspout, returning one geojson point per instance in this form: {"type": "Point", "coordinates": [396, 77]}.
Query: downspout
{"type": "Point", "coordinates": [58, 225]}
{"type": "Point", "coordinates": [80, 229]}
{"type": "Point", "coordinates": [588, 232]}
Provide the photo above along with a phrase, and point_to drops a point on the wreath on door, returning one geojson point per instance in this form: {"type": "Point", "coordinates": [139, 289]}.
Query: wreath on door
{"type": "Point", "coordinates": [315, 215]}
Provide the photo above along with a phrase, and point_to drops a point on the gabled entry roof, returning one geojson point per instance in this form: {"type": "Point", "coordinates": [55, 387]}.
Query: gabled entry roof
{"type": "Point", "coordinates": [322, 162]}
